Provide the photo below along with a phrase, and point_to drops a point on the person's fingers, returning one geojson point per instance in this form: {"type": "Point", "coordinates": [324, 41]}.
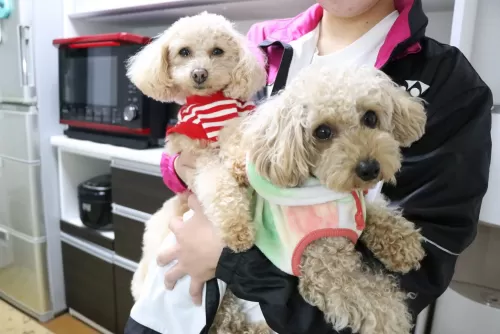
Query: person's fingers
{"type": "Point", "coordinates": [174, 224]}
{"type": "Point", "coordinates": [167, 255]}
{"type": "Point", "coordinates": [196, 291]}
{"type": "Point", "coordinates": [194, 204]}
{"type": "Point", "coordinates": [189, 159]}
{"type": "Point", "coordinates": [173, 275]}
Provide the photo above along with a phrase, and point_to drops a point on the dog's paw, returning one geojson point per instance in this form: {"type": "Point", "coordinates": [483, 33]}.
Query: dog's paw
{"type": "Point", "coordinates": [258, 328]}
{"type": "Point", "coordinates": [395, 242]}
{"type": "Point", "coordinates": [397, 320]}
{"type": "Point", "coordinates": [404, 252]}
{"type": "Point", "coordinates": [241, 240]}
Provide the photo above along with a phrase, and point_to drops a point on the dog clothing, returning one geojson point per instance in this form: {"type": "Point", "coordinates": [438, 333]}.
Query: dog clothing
{"type": "Point", "coordinates": [202, 117]}
{"type": "Point", "coordinates": [289, 219]}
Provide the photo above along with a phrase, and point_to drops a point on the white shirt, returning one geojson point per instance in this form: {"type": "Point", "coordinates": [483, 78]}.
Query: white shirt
{"type": "Point", "coordinates": [173, 312]}
{"type": "Point", "coordinates": [364, 50]}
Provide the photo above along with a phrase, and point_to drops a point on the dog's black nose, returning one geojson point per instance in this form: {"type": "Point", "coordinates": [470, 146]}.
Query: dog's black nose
{"type": "Point", "coordinates": [368, 170]}
{"type": "Point", "coordinates": [199, 75]}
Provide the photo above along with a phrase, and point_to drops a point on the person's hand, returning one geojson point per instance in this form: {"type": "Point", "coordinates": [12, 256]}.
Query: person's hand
{"type": "Point", "coordinates": [197, 251]}
{"type": "Point", "coordinates": [184, 165]}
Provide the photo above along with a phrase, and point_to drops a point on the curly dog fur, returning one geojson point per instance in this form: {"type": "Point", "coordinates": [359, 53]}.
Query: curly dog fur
{"type": "Point", "coordinates": [325, 123]}
{"type": "Point", "coordinates": [163, 70]}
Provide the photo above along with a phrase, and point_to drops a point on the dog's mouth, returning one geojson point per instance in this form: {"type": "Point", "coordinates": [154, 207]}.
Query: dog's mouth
{"type": "Point", "coordinates": [202, 87]}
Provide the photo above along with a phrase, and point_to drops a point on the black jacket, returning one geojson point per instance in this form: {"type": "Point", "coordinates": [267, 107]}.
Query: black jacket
{"type": "Point", "coordinates": [443, 179]}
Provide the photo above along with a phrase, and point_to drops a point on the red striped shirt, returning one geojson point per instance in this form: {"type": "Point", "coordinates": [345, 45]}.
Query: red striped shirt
{"type": "Point", "coordinates": [202, 117]}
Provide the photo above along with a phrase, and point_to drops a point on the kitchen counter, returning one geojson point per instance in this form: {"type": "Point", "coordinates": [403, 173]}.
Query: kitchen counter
{"type": "Point", "coordinates": [106, 151]}
{"type": "Point", "coordinates": [143, 161]}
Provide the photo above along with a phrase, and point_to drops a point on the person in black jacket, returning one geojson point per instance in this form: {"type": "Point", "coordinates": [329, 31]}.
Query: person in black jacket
{"type": "Point", "coordinates": [440, 186]}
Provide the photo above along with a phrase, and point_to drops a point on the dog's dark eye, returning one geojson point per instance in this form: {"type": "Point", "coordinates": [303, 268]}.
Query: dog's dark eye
{"type": "Point", "coordinates": [323, 132]}
{"type": "Point", "coordinates": [217, 52]}
{"type": "Point", "coordinates": [184, 52]}
{"type": "Point", "coordinates": [370, 119]}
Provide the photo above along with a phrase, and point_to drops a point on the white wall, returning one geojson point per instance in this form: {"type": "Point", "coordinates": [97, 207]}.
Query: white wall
{"type": "Point", "coordinates": [242, 26]}
{"type": "Point", "coordinates": [439, 26]}
{"type": "Point", "coordinates": [486, 45]}
{"type": "Point", "coordinates": [48, 24]}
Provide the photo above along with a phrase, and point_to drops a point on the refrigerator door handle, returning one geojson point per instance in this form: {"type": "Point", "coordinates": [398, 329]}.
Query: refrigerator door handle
{"type": "Point", "coordinates": [26, 62]}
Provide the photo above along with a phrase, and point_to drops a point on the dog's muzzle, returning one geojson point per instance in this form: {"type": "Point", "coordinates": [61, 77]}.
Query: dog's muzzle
{"type": "Point", "coordinates": [199, 75]}
{"type": "Point", "coordinates": [368, 170]}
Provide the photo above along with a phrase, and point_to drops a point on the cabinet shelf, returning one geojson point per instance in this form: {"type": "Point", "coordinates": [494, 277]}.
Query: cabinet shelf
{"type": "Point", "coordinates": [105, 151]}
{"type": "Point", "coordinates": [156, 11]}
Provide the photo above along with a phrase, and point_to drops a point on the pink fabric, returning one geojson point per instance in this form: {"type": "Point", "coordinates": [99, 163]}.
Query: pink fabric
{"type": "Point", "coordinates": [398, 33]}
{"type": "Point", "coordinates": [288, 30]}
{"type": "Point", "coordinates": [170, 177]}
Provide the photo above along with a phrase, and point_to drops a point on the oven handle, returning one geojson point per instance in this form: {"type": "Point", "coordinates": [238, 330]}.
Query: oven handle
{"type": "Point", "coordinates": [26, 72]}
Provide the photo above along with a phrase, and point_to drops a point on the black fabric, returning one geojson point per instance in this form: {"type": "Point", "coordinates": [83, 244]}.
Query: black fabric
{"type": "Point", "coordinates": [440, 187]}
{"type": "Point", "coordinates": [286, 61]}
{"type": "Point", "coordinates": [282, 75]}
{"type": "Point", "coordinates": [133, 327]}
{"type": "Point", "coordinates": [212, 298]}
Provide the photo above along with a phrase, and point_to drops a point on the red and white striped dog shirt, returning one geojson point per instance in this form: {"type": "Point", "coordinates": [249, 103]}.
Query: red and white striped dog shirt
{"type": "Point", "coordinates": [202, 117]}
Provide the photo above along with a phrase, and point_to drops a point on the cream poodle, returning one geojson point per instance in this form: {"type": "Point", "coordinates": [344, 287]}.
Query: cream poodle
{"type": "Point", "coordinates": [344, 127]}
{"type": "Point", "coordinates": [203, 63]}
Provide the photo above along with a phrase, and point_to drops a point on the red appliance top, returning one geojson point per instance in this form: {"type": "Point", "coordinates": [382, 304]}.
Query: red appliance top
{"type": "Point", "coordinates": [100, 40]}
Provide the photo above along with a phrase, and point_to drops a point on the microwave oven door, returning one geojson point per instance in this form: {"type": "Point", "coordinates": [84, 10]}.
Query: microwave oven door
{"type": "Point", "coordinates": [94, 87]}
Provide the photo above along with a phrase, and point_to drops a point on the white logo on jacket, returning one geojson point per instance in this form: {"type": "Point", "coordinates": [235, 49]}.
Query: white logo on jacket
{"type": "Point", "coordinates": [416, 88]}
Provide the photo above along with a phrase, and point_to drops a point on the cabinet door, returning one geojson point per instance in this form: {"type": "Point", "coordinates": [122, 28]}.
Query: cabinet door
{"type": "Point", "coordinates": [89, 281]}
{"type": "Point", "coordinates": [141, 192]}
{"type": "Point", "coordinates": [129, 226]}
{"type": "Point", "coordinates": [124, 270]}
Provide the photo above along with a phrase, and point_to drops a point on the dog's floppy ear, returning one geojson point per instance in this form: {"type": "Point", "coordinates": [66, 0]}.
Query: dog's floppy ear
{"type": "Point", "coordinates": [148, 70]}
{"type": "Point", "coordinates": [249, 75]}
{"type": "Point", "coordinates": [409, 117]}
{"type": "Point", "coordinates": [274, 137]}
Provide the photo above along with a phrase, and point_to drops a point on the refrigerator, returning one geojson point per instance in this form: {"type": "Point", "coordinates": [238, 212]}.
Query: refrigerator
{"type": "Point", "coordinates": [24, 262]}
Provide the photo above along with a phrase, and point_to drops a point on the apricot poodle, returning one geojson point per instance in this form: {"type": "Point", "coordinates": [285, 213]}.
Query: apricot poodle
{"type": "Point", "coordinates": [203, 63]}
{"type": "Point", "coordinates": [344, 128]}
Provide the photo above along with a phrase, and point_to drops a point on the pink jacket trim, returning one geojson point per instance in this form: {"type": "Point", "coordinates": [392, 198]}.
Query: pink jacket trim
{"type": "Point", "coordinates": [288, 30]}
{"type": "Point", "coordinates": [170, 177]}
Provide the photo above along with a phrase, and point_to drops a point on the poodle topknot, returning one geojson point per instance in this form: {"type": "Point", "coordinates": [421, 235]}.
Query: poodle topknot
{"type": "Point", "coordinates": [197, 55]}
{"type": "Point", "coordinates": [343, 126]}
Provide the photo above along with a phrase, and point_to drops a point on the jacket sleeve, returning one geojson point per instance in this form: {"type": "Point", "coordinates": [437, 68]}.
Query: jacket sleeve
{"type": "Point", "coordinates": [440, 187]}
{"type": "Point", "coordinates": [444, 179]}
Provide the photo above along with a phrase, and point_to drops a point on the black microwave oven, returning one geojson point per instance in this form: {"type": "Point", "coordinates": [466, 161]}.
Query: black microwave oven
{"type": "Point", "coordinates": [97, 100]}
